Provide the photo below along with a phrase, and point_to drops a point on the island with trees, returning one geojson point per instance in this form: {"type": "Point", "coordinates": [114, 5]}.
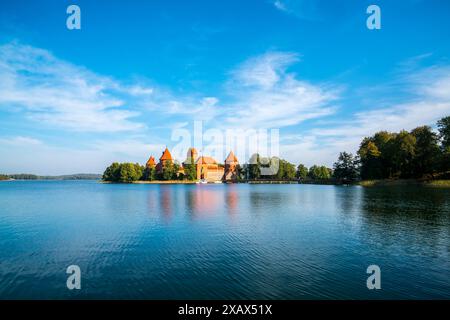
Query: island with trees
{"type": "Point", "coordinates": [421, 155]}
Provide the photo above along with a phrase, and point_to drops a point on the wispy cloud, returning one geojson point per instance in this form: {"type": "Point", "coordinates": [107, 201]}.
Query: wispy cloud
{"type": "Point", "coordinates": [259, 93]}
{"type": "Point", "coordinates": [280, 5]}
{"type": "Point", "coordinates": [304, 9]}
{"type": "Point", "coordinates": [20, 141]}
{"type": "Point", "coordinates": [61, 94]}
{"type": "Point", "coordinates": [267, 95]}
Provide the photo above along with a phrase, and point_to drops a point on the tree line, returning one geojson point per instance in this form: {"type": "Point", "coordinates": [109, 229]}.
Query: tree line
{"type": "Point", "coordinates": [419, 153]}
{"type": "Point", "coordinates": [277, 169]}
{"type": "Point", "coordinates": [130, 172]}
{"type": "Point", "coordinates": [416, 154]}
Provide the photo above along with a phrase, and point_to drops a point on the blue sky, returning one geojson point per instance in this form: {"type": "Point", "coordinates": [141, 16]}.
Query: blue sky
{"type": "Point", "coordinates": [76, 100]}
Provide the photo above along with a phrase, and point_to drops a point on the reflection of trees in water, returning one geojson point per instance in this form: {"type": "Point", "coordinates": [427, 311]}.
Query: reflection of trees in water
{"type": "Point", "coordinates": [397, 203]}
{"type": "Point", "coordinates": [348, 199]}
{"type": "Point", "coordinates": [406, 215]}
{"type": "Point", "coordinates": [263, 199]}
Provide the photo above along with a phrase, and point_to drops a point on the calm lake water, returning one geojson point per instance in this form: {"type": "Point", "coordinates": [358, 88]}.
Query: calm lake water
{"type": "Point", "coordinates": [222, 241]}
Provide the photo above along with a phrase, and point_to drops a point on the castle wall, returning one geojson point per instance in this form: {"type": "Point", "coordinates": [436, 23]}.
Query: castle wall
{"type": "Point", "coordinates": [210, 173]}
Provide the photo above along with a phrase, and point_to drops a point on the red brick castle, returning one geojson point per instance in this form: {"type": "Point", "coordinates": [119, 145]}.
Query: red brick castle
{"type": "Point", "coordinates": [207, 168]}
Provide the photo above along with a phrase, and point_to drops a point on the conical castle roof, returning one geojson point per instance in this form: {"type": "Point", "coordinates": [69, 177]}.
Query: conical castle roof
{"type": "Point", "coordinates": [231, 158]}
{"type": "Point", "coordinates": [166, 156]}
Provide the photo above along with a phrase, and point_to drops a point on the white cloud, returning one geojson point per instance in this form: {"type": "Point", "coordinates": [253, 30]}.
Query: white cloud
{"type": "Point", "coordinates": [280, 5]}
{"type": "Point", "coordinates": [20, 141]}
{"type": "Point", "coordinates": [266, 95]}
{"type": "Point", "coordinates": [264, 71]}
{"type": "Point", "coordinates": [432, 83]}
{"type": "Point", "coordinates": [259, 94]}
{"type": "Point", "coordinates": [62, 94]}
{"type": "Point", "coordinates": [139, 90]}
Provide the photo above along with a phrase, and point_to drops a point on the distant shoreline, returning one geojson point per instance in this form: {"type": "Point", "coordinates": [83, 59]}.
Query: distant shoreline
{"type": "Point", "coordinates": [34, 177]}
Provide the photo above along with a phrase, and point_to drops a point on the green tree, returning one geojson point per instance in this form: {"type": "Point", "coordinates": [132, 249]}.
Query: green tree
{"type": "Point", "coordinates": [403, 153]}
{"type": "Point", "coordinates": [170, 171]}
{"type": "Point", "coordinates": [289, 171]}
{"type": "Point", "coordinates": [444, 135]}
{"type": "Point", "coordinates": [371, 162]}
{"type": "Point", "coordinates": [384, 142]}
{"type": "Point", "coordinates": [254, 167]}
{"type": "Point", "coordinates": [190, 172]}
{"type": "Point", "coordinates": [444, 132]}
{"type": "Point", "coordinates": [425, 160]}
{"type": "Point", "coordinates": [112, 172]}
{"type": "Point", "coordinates": [176, 169]}
{"type": "Point", "coordinates": [302, 172]}
{"type": "Point", "coordinates": [130, 172]}
{"type": "Point", "coordinates": [241, 173]}
{"type": "Point", "coordinates": [149, 174]}
{"type": "Point", "coordinates": [272, 168]}
{"type": "Point", "coordinates": [319, 172]}
{"type": "Point", "coordinates": [346, 168]}
{"type": "Point", "coordinates": [375, 155]}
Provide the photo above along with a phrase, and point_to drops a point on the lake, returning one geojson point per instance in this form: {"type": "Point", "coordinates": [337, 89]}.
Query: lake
{"type": "Point", "coordinates": [222, 241]}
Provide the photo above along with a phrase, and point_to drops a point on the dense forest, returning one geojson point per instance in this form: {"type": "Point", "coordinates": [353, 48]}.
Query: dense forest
{"type": "Point", "coordinates": [420, 153]}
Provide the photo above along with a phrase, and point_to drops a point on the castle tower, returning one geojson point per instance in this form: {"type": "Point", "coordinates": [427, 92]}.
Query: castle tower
{"type": "Point", "coordinates": [164, 160]}
{"type": "Point", "coordinates": [151, 162]}
{"type": "Point", "coordinates": [231, 167]}
{"type": "Point", "coordinates": [191, 154]}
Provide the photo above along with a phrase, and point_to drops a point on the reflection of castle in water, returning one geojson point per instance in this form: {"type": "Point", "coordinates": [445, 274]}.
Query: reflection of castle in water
{"type": "Point", "coordinates": [207, 168]}
{"type": "Point", "coordinates": [165, 201]}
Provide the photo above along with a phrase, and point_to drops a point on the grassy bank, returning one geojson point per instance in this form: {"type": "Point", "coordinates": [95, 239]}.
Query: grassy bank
{"type": "Point", "coordinates": [405, 182]}
{"type": "Point", "coordinates": [438, 183]}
